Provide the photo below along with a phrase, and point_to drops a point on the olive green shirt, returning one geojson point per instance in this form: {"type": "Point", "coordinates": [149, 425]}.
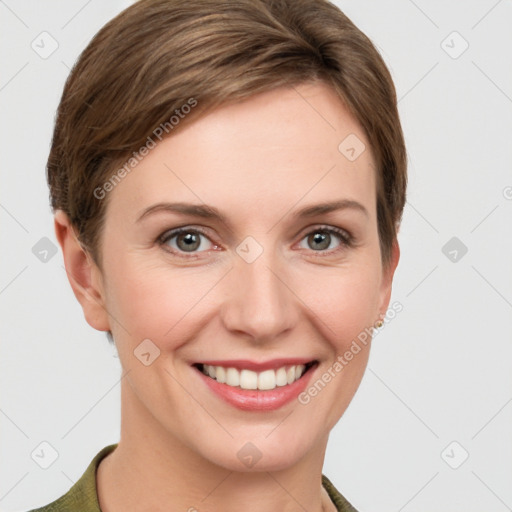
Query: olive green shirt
{"type": "Point", "coordinates": [83, 497]}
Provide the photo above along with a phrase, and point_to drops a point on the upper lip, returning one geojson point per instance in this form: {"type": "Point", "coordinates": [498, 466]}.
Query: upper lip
{"type": "Point", "coordinates": [258, 366]}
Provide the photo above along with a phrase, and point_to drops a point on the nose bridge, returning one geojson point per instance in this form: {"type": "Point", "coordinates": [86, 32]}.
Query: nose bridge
{"type": "Point", "coordinates": [260, 304]}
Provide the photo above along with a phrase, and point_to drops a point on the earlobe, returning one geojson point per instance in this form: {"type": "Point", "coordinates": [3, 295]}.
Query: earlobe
{"type": "Point", "coordinates": [83, 274]}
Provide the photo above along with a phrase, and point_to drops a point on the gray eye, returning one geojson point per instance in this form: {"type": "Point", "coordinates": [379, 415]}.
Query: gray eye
{"type": "Point", "coordinates": [319, 240]}
{"type": "Point", "coordinates": [186, 240]}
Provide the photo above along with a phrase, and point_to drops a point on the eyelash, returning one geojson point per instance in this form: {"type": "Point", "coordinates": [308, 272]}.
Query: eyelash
{"type": "Point", "coordinates": [346, 240]}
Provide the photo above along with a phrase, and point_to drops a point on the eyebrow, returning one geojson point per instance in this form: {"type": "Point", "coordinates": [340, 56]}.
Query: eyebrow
{"type": "Point", "coordinates": [210, 212]}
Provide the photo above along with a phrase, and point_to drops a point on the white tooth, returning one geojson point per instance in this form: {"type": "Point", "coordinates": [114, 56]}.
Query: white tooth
{"type": "Point", "coordinates": [232, 377]}
{"type": "Point", "coordinates": [248, 379]}
{"type": "Point", "coordinates": [290, 375]}
{"type": "Point", "coordinates": [281, 377]}
{"type": "Point", "coordinates": [267, 379]}
{"type": "Point", "coordinates": [221, 374]}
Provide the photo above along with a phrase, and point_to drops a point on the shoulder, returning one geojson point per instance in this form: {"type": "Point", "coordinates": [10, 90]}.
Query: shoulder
{"type": "Point", "coordinates": [60, 505]}
{"type": "Point", "coordinates": [342, 504]}
{"type": "Point", "coordinates": [82, 496]}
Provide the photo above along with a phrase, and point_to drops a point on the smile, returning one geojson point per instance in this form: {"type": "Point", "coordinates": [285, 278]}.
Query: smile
{"type": "Point", "coordinates": [266, 380]}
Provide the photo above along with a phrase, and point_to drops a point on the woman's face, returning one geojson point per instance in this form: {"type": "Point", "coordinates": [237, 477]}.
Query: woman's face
{"type": "Point", "coordinates": [265, 289]}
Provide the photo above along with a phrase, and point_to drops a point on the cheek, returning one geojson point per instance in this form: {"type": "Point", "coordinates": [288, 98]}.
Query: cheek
{"type": "Point", "coordinates": [344, 301]}
{"type": "Point", "coordinates": [158, 302]}
{"type": "Point", "coordinates": [343, 307]}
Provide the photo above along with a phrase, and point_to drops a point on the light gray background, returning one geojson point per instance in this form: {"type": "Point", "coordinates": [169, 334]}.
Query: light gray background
{"type": "Point", "coordinates": [439, 372]}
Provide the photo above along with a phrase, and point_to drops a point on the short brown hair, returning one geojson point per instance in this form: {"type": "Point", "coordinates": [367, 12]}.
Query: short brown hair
{"type": "Point", "coordinates": [151, 59]}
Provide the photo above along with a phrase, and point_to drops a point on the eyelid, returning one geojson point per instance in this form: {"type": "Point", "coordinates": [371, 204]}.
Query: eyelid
{"type": "Point", "coordinates": [170, 233]}
{"type": "Point", "coordinates": [329, 228]}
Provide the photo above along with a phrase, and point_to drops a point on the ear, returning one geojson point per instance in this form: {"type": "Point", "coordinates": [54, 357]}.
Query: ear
{"type": "Point", "coordinates": [387, 279]}
{"type": "Point", "coordinates": [83, 274]}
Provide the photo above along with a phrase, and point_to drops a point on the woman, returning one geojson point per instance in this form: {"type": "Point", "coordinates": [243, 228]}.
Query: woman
{"type": "Point", "coordinates": [228, 179]}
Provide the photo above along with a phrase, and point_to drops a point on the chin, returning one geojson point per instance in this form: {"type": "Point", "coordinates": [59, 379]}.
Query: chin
{"type": "Point", "coordinates": [256, 453]}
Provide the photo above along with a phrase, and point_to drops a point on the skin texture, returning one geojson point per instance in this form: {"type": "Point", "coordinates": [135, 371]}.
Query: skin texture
{"type": "Point", "coordinates": [258, 161]}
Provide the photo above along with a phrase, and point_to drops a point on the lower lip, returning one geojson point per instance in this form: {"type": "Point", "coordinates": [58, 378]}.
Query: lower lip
{"type": "Point", "coordinates": [257, 400]}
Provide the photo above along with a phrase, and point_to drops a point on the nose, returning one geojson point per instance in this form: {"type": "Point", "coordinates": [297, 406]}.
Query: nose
{"type": "Point", "coordinates": [260, 302]}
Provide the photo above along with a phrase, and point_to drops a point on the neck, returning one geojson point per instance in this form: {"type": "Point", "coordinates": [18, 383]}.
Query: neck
{"type": "Point", "coordinates": [152, 470]}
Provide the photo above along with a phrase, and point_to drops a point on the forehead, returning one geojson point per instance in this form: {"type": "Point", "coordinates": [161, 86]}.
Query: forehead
{"type": "Point", "coordinates": [274, 149]}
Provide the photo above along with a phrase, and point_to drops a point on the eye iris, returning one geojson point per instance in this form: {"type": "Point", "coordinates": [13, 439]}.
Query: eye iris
{"type": "Point", "coordinates": [320, 238]}
{"type": "Point", "coordinates": [191, 241]}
